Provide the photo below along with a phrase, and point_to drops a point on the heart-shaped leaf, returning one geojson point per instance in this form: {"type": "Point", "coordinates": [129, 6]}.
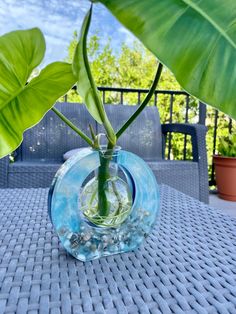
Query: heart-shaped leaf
{"type": "Point", "coordinates": [195, 39]}
{"type": "Point", "coordinates": [21, 105]}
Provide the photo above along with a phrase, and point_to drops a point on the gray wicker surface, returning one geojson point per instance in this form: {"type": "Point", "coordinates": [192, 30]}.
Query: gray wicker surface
{"type": "Point", "coordinates": [180, 175]}
{"type": "Point", "coordinates": [187, 265]}
{"type": "Point", "coordinates": [31, 174]}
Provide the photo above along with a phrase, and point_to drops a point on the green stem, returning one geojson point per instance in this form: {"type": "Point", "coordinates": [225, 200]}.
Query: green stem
{"type": "Point", "coordinates": [103, 176]}
{"type": "Point", "coordinates": [73, 127]}
{"type": "Point", "coordinates": [144, 103]}
{"type": "Point", "coordinates": [111, 136]}
{"type": "Point", "coordinates": [92, 132]}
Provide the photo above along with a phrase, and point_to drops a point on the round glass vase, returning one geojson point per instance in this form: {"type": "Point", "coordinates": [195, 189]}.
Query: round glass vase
{"type": "Point", "coordinates": [106, 200]}
{"type": "Point", "coordinates": [108, 213]}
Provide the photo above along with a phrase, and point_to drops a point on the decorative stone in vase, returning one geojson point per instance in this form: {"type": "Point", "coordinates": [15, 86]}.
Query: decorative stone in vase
{"type": "Point", "coordinates": [89, 226]}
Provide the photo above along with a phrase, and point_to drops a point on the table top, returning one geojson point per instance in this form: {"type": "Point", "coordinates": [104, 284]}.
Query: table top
{"type": "Point", "coordinates": [187, 265]}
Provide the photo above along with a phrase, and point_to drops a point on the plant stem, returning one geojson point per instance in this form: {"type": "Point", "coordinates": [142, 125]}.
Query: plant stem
{"type": "Point", "coordinates": [92, 132]}
{"type": "Point", "coordinates": [103, 176]}
{"type": "Point", "coordinates": [73, 127]}
{"type": "Point", "coordinates": [144, 103]}
{"type": "Point", "coordinates": [111, 136]}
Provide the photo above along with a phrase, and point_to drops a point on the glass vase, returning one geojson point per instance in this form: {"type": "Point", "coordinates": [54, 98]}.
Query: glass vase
{"type": "Point", "coordinates": [103, 202]}
{"type": "Point", "coordinates": [106, 200]}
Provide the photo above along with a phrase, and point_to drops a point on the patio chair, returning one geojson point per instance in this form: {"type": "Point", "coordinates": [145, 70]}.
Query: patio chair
{"type": "Point", "coordinates": [41, 153]}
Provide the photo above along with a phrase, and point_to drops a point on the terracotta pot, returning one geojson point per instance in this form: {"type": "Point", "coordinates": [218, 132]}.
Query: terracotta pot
{"type": "Point", "coordinates": [226, 177]}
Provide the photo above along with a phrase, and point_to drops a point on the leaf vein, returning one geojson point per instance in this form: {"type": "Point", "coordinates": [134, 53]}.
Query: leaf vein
{"type": "Point", "coordinates": [211, 21]}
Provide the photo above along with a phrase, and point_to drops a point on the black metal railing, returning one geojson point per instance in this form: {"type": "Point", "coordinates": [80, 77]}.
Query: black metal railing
{"type": "Point", "coordinates": [192, 111]}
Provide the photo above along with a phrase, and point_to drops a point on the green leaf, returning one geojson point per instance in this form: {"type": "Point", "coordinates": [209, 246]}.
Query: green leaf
{"type": "Point", "coordinates": [195, 39]}
{"type": "Point", "coordinates": [31, 103]}
{"type": "Point", "coordinates": [227, 145]}
{"type": "Point", "coordinates": [20, 53]}
{"type": "Point", "coordinates": [86, 86]}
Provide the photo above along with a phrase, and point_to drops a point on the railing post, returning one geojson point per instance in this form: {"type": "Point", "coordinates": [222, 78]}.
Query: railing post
{"type": "Point", "coordinates": [155, 99]}
{"type": "Point", "coordinates": [212, 181]}
{"type": "Point", "coordinates": [202, 113]}
{"type": "Point", "coordinates": [171, 114]}
{"type": "Point", "coordinates": [139, 97]}
{"type": "Point", "coordinates": [186, 121]}
{"type": "Point", "coordinates": [121, 98]}
{"type": "Point", "coordinates": [230, 126]}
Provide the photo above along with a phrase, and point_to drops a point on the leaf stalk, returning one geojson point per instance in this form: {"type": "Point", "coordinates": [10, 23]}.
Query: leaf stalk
{"type": "Point", "coordinates": [144, 103]}
{"type": "Point", "coordinates": [73, 127]}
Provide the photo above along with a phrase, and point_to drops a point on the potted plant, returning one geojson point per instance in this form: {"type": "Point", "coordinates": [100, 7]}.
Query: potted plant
{"type": "Point", "coordinates": [225, 168]}
{"type": "Point", "coordinates": [190, 49]}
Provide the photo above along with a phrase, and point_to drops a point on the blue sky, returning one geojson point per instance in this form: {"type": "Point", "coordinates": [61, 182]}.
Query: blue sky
{"type": "Point", "coordinates": [58, 19]}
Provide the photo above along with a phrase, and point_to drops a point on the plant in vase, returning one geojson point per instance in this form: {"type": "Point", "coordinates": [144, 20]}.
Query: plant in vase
{"type": "Point", "coordinates": [225, 167]}
{"type": "Point", "coordinates": [106, 200]}
{"type": "Point", "coordinates": [189, 38]}
{"type": "Point", "coordinates": [107, 208]}
{"type": "Point", "coordinates": [117, 215]}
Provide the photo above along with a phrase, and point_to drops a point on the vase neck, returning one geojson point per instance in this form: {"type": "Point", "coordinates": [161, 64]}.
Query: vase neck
{"type": "Point", "coordinates": [111, 154]}
{"type": "Point", "coordinates": [108, 161]}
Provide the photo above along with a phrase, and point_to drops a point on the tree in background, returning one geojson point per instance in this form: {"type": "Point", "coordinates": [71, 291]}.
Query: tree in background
{"type": "Point", "coordinates": [133, 67]}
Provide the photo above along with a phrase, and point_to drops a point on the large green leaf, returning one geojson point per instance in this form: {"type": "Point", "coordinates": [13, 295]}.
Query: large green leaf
{"type": "Point", "coordinates": [196, 39]}
{"type": "Point", "coordinates": [21, 105]}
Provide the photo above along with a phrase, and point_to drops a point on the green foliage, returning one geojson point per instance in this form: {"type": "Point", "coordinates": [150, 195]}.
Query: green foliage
{"type": "Point", "coordinates": [195, 39]}
{"type": "Point", "coordinates": [227, 146]}
{"type": "Point", "coordinates": [23, 103]}
{"type": "Point", "coordinates": [133, 67]}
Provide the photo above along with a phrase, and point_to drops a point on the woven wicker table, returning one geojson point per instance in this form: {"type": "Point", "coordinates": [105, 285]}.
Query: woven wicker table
{"type": "Point", "coordinates": [187, 265]}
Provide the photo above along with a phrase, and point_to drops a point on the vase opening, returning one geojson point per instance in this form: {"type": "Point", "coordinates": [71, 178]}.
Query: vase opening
{"type": "Point", "coordinates": [106, 200]}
